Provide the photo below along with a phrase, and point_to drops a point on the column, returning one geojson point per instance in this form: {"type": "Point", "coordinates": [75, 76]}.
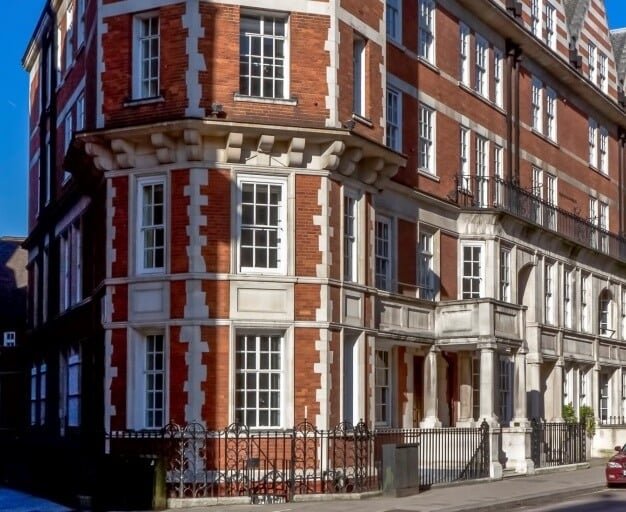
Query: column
{"type": "Point", "coordinates": [595, 391]}
{"type": "Point", "coordinates": [465, 391]}
{"type": "Point", "coordinates": [533, 386]}
{"type": "Point", "coordinates": [557, 391]}
{"type": "Point", "coordinates": [487, 386]}
{"type": "Point", "coordinates": [431, 400]}
{"type": "Point", "coordinates": [520, 402]}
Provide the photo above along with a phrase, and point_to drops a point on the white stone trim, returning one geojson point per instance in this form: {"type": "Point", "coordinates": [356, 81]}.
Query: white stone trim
{"type": "Point", "coordinates": [192, 21]}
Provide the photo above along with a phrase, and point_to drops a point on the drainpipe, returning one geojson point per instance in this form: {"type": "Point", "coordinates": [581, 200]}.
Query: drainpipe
{"type": "Point", "coordinates": [516, 79]}
{"type": "Point", "coordinates": [621, 172]}
{"type": "Point", "coordinates": [509, 108]}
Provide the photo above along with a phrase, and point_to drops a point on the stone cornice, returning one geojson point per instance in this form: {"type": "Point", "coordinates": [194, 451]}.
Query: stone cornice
{"type": "Point", "coordinates": [191, 141]}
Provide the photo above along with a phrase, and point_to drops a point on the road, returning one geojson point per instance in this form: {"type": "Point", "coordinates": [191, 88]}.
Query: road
{"type": "Point", "coordinates": [609, 500]}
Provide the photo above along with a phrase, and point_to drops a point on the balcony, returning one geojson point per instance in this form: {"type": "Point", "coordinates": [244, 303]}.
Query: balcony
{"type": "Point", "coordinates": [496, 194]}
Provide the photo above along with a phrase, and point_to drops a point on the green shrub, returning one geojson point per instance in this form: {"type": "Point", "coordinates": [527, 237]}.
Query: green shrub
{"type": "Point", "coordinates": [569, 413]}
{"type": "Point", "coordinates": [587, 418]}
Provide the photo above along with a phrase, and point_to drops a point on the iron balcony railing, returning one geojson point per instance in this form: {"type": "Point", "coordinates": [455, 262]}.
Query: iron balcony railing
{"type": "Point", "coordinates": [475, 192]}
{"type": "Point", "coordinates": [557, 444]}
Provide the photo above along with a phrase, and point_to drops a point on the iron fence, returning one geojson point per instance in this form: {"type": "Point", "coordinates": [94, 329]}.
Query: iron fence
{"type": "Point", "coordinates": [557, 444]}
{"type": "Point", "coordinates": [476, 192]}
{"type": "Point", "coordinates": [612, 421]}
{"type": "Point", "coordinates": [445, 454]}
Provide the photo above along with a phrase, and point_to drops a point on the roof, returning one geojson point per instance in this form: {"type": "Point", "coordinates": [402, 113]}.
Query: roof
{"type": "Point", "coordinates": [575, 11]}
{"type": "Point", "coordinates": [618, 39]}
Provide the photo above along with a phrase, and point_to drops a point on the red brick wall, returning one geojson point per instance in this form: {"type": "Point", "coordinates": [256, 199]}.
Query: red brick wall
{"type": "Point", "coordinates": [217, 388]}
{"type": "Point", "coordinates": [407, 250]}
{"type": "Point", "coordinates": [217, 298]}
{"type": "Point", "coordinates": [120, 267]}
{"type": "Point", "coordinates": [334, 416]}
{"type": "Point", "coordinates": [306, 300]}
{"type": "Point", "coordinates": [216, 252]}
{"type": "Point", "coordinates": [307, 252]}
{"type": "Point", "coordinates": [306, 381]}
{"type": "Point", "coordinates": [448, 264]}
{"type": "Point", "coordinates": [119, 384]}
{"type": "Point", "coordinates": [179, 217]}
{"type": "Point", "coordinates": [178, 375]}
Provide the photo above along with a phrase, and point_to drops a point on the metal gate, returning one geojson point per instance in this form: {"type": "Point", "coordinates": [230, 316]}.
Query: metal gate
{"type": "Point", "coordinates": [557, 444]}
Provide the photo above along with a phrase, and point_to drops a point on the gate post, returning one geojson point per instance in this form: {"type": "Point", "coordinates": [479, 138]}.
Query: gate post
{"type": "Point", "coordinates": [495, 439]}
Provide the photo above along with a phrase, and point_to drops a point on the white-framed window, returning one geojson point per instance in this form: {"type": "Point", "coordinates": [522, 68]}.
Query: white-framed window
{"type": "Point", "coordinates": [482, 67]}
{"type": "Point", "coordinates": [549, 291]}
{"type": "Point", "coordinates": [394, 119]}
{"type": "Point", "coordinates": [8, 339]}
{"type": "Point", "coordinates": [505, 274]}
{"type": "Point", "coordinates": [262, 224]}
{"type": "Point", "coordinates": [584, 302]}
{"type": "Point", "coordinates": [394, 20]}
{"type": "Point", "coordinates": [263, 56]}
{"type": "Point", "coordinates": [151, 224]}
{"type": "Point", "coordinates": [482, 171]}
{"type": "Point", "coordinates": [38, 376]}
{"type": "Point", "coordinates": [259, 379]}
{"type": "Point", "coordinates": [70, 375]}
{"type": "Point", "coordinates": [551, 111]}
{"type": "Point", "coordinates": [476, 387]}
{"type": "Point", "coordinates": [498, 73]}
{"type": "Point", "coordinates": [146, 52]}
{"type": "Point", "coordinates": [464, 158]}
{"type": "Point", "coordinates": [603, 146]}
{"type": "Point", "coordinates": [551, 199]}
{"type": "Point", "coordinates": [49, 165]}
{"type": "Point", "coordinates": [568, 297]}
{"type": "Point", "coordinates": [550, 25]}
{"type": "Point", "coordinates": [537, 191]}
{"type": "Point", "coordinates": [506, 389]}
{"type": "Point", "coordinates": [498, 172]}
{"type": "Point", "coordinates": [80, 113]}
{"type": "Point", "coordinates": [593, 145]}
{"type": "Point", "coordinates": [67, 138]}
{"type": "Point", "coordinates": [602, 74]}
{"type": "Point", "coordinates": [591, 62]}
{"type": "Point", "coordinates": [623, 393]}
{"type": "Point", "coordinates": [350, 227]}
{"type": "Point", "coordinates": [604, 398]}
{"type": "Point", "coordinates": [426, 268]}
{"type": "Point", "coordinates": [464, 40]}
{"type": "Point", "coordinates": [426, 139]}
{"type": "Point", "coordinates": [80, 20]}
{"type": "Point", "coordinates": [472, 276]}
{"type": "Point", "coordinates": [623, 316]}
{"type": "Point", "coordinates": [358, 75]}
{"type": "Point", "coordinates": [535, 17]}
{"type": "Point", "coordinates": [154, 381]}
{"type": "Point", "coordinates": [426, 47]}
{"type": "Point", "coordinates": [537, 105]}
{"type": "Point", "coordinates": [582, 386]}
{"type": "Point", "coordinates": [70, 266]}
{"type": "Point", "coordinates": [605, 314]}
{"type": "Point", "coordinates": [384, 248]}
{"type": "Point", "coordinates": [603, 224]}
{"type": "Point", "coordinates": [383, 387]}
{"type": "Point", "coordinates": [69, 31]}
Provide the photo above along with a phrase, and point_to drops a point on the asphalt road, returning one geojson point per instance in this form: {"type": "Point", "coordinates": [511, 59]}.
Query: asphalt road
{"type": "Point", "coordinates": [609, 500]}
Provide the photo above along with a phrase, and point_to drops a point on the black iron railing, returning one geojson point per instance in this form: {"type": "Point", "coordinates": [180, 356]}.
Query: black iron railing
{"type": "Point", "coordinates": [610, 421]}
{"type": "Point", "coordinates": [494, 193]}
{"type": "Point", "coordinates": [445, 454]}
{"type": "Point", "coordinates": [557, 444]}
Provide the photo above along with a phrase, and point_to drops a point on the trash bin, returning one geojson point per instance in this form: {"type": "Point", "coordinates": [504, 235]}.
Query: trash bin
{"type": "Point", "coordinates": [400, 469]}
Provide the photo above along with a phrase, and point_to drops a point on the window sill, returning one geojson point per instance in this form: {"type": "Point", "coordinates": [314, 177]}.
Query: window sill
{"type": "Point", "coordinates": [545, 137]}
{"type": "Point", "coordinates": [259, 99]}
{"type": "Point", "coordinates": [429, 175]}
{"type": "Point", "coordinates": [593, 168]}
{"type": "Point", "coordinates": [428, 64]}
{"type": "Point", "coordinates": [362, 120]}
{"type": "Point", "coordinates": [143, 101]}
{"type": "Point", "coordinates": [480, 97]}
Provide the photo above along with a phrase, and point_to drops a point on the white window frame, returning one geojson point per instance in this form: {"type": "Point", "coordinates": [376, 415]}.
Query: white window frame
{"type": "Point", "coordinates": [69, 32]}
{"type": "Point", "coordinates": [43, 393]}
{"type": "Point", "coordinates": [481, 66]}
{"type": "Point", "coordinates": [603, 224]}
{"type": "Point", "coordinates": [537, 191]}
{"type": "Point", "coordinates": [8, 339]}
{"type": "Point", "coordinates": [464, 164]}
{"type": "Point", "coordinates": [426, 34]}
{"type": "Point", "coordinates": [498, 173]}
{"type": "Point", "coordinates": [80, 113]}
{"type": "Point", "coordinates": [394, 20]}
{"type": "Point", "coordinates": [80, 19]}
{"type": "Point", "coordinates": [475, 278]}
{"type": "Point", "coordinates": [605, 314]}
{"type": "Point", "coordinates": [506, 371]}
{"type": "Point", "coordinates": [70, 265]}
{"type": "Point", "coordinates": [73, 399]}
{"type": "Point", "coordinates": [568, 298]}
{"type": "Point", "coordinates": [623, 317]}
{"type": "Point", "coordinates": [591, 62]}
{"type": "Point", "coordinates": [394, 118]}
{"type": "Point", "coordinates": [505, 274]}
{"type": "Point", "coordinates": [384, 252]}
{"type": "Point", "coordinates": [602, 72]}
{"type": "Point", "coordinates": [585, 281]}
{"type": "Point", "coordinates": [359, 45]}
{"type": "Point", "coordinates": [383, 387]}
{"type": "Point", "coordinates": [551, 199]}
{"type": "Point", "coordinates": [426, 266]}
{"type": "Point", "coordinates": [427, 143]}
{"type": "Point", "coordinates": [68, 130]}
{"type": "Point", "coordinates": [549, 291]}
{"type": "Point", "coordinates": [146, 86]}
{"type": "Point", "coordinates": [280, 227]}
{"type": "Point", "coordinates": [262, 352]}
{"type": "Point", "coordinates": [593, 143]}
{"type": "Point", "coordinates": [482, 171]}
{"type": "Point", "coordinates": [535, 18]}
{"type": "Point", "coordinates": [550, 25]}
{"type": "Point", "coordinates": [143, 228]}
{"type": "Point", "coordinates": [464, 41]}
{"type": "Point", "coordinates": [603, 150]}
{"type": "Point", "coordinates": [247, 59]}
{"type": "Point", "coordinates": [551, 113]}
{"type": "Point", "coordinates": [350, 235]}
{"type": "Point", "coordinates": [537, 105]}
{"type": "Point", "coordinates": [38, 394]}
{"type": "Point", "coordinates": [498, 74]}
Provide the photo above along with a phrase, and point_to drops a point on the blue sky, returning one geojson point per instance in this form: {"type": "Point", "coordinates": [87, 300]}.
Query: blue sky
{"type": "Point", "coordinates": [19, 22]}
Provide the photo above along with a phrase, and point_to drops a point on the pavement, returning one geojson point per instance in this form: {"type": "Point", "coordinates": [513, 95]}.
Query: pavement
{"type": "Point", "coordinates": [485, 496]}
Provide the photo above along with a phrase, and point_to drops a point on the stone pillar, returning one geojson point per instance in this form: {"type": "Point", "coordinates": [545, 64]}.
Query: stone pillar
{"type": "Point", "coordinates": [533, 386]}
{"type": "Point", "coordinates": [557, 391]}
{"type": "Point", "coordinates": [520, 402]}
{"type": "Point", "coordinates": [595, 391]}
{"type": "Point", "coordinates": [487, 386]}
{"type": "Point", "coordinates": [465, 390]}
{"type": "Point", "coordinates": [431, 395]}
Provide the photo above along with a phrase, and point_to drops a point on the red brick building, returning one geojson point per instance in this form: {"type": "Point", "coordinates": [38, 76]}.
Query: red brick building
{"type": "Point", "coordinates": [262, 212]}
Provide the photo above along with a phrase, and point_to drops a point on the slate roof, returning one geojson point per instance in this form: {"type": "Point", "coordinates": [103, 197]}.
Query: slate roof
{"type": "Point", "coordinates": [575, 11]}
{"type": "Point", "coordinates": [618, 39]}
